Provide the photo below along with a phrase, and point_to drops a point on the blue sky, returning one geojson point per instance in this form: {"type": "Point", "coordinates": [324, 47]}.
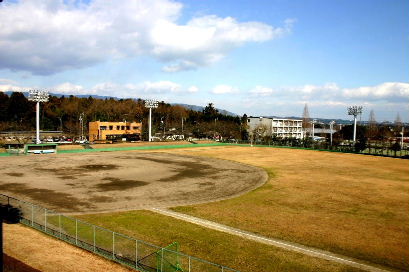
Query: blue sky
{"type": "Point", "coordinates": [255, 57]}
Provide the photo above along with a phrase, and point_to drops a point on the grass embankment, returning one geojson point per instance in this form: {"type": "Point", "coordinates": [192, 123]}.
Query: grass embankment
{"type": "Point", "coordinates": [210, 245]}
{"type": "Point", "coordinates": [349, 204]}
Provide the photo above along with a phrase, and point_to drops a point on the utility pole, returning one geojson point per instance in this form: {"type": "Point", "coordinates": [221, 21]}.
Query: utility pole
{"type": "Point", "coordinates": [150, 104]}
{"type": "Point", "coordinates": [354, 110]}
{"type": "Point", "coordinates": [38, 96]}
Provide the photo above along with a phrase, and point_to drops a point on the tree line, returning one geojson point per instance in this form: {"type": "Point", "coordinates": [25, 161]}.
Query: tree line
{"type": "Point", "coordinates": [62, 113]}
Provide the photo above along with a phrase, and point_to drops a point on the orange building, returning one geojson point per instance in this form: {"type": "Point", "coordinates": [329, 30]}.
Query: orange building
{"type": "Point", "coordinates": [114, 130]}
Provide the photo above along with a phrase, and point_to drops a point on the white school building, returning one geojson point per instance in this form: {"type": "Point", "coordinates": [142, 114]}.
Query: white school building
{"type": "Point", "coordinates": [279, 127]}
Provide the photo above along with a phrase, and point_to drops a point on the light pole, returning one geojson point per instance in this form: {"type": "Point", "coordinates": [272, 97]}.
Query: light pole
{"type": "Point", "coordinates": [151, 104]}
{"type": "Point", "coordinates": [38, 96]}
{"type": "Point", "coordinates": [354, 110]}
{"type": "Point", "coordinates": [82, 125]}
{"type": "Point", "coordinates": [401, 138]}
{"type": "Point", "coordinates": [313, 127]}
{"type": "Point", "coordinates": [331, 127]}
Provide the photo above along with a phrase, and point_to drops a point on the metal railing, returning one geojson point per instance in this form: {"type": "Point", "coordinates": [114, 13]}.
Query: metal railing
{"type": "Point", "coordinates": [134, 253]}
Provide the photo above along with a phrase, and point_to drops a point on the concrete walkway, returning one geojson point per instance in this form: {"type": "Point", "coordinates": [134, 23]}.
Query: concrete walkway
{"type": "Point", "coordinates": [314, 252]}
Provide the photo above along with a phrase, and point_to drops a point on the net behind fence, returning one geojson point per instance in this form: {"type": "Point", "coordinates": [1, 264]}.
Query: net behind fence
{"type": "Point", "coordinates": [118, 247]}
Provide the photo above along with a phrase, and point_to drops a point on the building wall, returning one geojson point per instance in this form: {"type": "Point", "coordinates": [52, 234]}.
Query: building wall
{"type": "Point", "coordinates": [99, 130]}
{"type": "Point", "coordinates": [283, 128]}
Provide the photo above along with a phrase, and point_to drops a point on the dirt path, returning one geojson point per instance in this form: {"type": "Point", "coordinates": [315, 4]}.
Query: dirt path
{"type": "Point", "coordinates": [314, 252]}
{"type": "Point", "coordinates": [51, 255]}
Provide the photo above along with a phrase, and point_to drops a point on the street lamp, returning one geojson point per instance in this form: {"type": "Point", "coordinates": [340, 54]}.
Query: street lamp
{"type": "Point", "coordinates": [38, 96]}
{"type": "Point", "coordinates": [151, 104]}
{"type": "Point", "coordinates": [354, 110]}
{"type": "Point", "coordinates": [331, 127]}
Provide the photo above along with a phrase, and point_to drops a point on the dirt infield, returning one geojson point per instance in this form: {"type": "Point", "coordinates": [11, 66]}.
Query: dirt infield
{"type": "Point", "coordinates": [107, 181]}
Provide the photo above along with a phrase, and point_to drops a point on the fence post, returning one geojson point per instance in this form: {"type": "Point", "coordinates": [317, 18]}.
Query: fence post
{"type": "Point", "coordinates": [136, 253]}
{"type": "Point", "coordinates": [113, 245]}
{"type": "Point", "coordinates": [93, 227]}
{"type": "Point", "coordinates": [189, 263]}
{"type": "Point", "coordinates": [161, 262]}
{"type": "Point", "coordinates": [59, 224]}
{"type": "Point", "coordinates": [76, 232]}
{"type": "Point", "coordinates": [222, 269]}
{"type": "Point", "coordinates": [32, 215]}
{"type": "Point", "coordinates": [45, 220]}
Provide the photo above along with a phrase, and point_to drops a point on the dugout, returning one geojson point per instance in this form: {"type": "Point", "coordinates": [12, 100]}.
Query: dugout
{"type": "Point", "coordinates": [48, 148]}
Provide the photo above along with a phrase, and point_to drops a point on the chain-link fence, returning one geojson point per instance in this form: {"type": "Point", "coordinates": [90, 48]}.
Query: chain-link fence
{"type": "Point", "coordinates": [118, 247]}
{"type": "Point", "coordinates": [376, 149]}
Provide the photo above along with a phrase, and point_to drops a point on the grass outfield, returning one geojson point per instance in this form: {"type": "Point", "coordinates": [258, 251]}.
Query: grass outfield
{"type": "Point", "coordinates": [211, 245]}
{"type": "Point", "coordinates": [350, 204]}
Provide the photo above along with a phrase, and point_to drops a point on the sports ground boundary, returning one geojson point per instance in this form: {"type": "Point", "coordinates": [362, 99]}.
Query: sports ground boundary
{"type": "Point", "coordinates": [193, 144]}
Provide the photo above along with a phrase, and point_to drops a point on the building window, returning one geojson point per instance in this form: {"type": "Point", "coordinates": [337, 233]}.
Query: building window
{"type": "Point", "coordinates": [118, 127]}
{"type": "Point", "coordinates": [122, 127]}
{"type": "Point", "coordinates": [103, 127]}
{"type": "Point", "coordinates": [135, 128]}
{"type": "Point", "coordinates": [111, 127]}
{"type": "Point", "coordinates": [127, 127]}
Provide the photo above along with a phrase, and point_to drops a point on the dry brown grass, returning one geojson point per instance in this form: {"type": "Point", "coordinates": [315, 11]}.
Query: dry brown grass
{"type": "Point", "coordinates": [350, 204]}
{"type": "Point", "coordinates": [44, 253]}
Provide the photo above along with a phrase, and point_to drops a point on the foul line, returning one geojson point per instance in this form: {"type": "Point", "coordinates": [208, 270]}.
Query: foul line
{"type": "Point", "coordinates": [275, 242]}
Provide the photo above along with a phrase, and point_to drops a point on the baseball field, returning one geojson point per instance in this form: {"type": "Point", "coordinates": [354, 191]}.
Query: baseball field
{"type": "Point", "coordinates": [353, 205]}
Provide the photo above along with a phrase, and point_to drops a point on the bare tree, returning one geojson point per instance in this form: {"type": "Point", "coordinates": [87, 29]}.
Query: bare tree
{"type": "Point", "coordinates": [398, 120]}
{"type": "Point", "coordinates": [372, 125]}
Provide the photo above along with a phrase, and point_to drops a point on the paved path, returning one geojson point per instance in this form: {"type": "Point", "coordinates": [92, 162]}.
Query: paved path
{"type": "Point", "coordinates": [275, 242]}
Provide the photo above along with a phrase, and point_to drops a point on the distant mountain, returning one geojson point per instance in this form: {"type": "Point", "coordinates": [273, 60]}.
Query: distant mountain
{"type": "Point", "coordinates": [200, 108]}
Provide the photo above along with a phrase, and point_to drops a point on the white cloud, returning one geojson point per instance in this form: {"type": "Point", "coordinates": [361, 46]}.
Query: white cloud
{"type": "Point", "coordinates": [69, 88]}
{"type": "Point", "coordinates": [140, 90]}
{"type": "Point", "coordinates": [46, 37]}
{"type": "Point", "coordinates": [224, 89]}
{"type": "Point", "coordinates": [193, 89]}
{"type": "Point", "coordinates": [261, 91]}
{"type": "Point", "coordinates": [388, 91]}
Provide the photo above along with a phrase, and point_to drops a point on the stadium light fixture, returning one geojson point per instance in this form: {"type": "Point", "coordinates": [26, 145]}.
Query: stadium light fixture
{"type": "Point", "coordinates": [354, 110]}
{"type": "Point", "coordinates": [151, 104]}
{"type": "Point", "coordinates": [38, 96]}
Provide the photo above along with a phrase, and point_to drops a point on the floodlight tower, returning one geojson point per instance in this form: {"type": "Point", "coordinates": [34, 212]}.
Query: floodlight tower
{"type": "Point", "coordinates": [331, 127]}
{"type": "Point", "coordinates": [151, 104]}
{"type": "Point", "coordinates": [354, 110]}
{"type": "Point", "coordinates": [38, 96]}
